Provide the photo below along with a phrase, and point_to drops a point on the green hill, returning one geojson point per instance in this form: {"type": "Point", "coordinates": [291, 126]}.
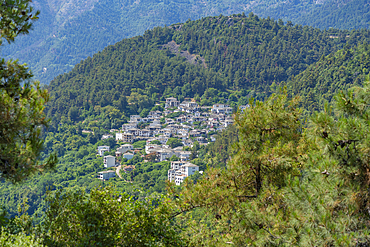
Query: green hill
{"type": "Point", "coordinates": [236, 52]}
{"type": "Point", "coordinates": [70, 31]}
{"type": "Point", "coordinates": [337, 71]}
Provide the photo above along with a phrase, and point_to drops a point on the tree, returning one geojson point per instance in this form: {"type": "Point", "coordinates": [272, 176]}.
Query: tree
{"type": "Point", "coordinates": [105, 217]}
{"type": "Point", "coordinates": [288, 185]}
{"type": "Point", "coordinates": [174, 142]}
{"type": "Point", "coordinates": [156, 142]}
{"type": "Point", "coordinates": [22, 102]}
{"type": "Point", "coordinates": [269, 149]}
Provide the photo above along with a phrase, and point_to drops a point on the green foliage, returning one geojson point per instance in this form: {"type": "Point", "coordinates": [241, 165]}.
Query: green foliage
{"type": "Point", "coordinates": [155, 142]}
{"type": "Point", "coordinates": [174, 142]}
{"type": "Point", "coordinates": [104, 217]}
{"type": "Point", "coordinates": [22, 117]}
{"type": "Point", "coordinates": [219, 152]}
{"type": "Point", "coordinates": [16, 18]}
{"type": "Point", "coordinates": [337, 14]}
{"type": "Point", "coordinates": [331, 74]}
{"type": "Point", "coordinates": [18, 240]}
{"type": "Point", "coordinates": [139, 144]}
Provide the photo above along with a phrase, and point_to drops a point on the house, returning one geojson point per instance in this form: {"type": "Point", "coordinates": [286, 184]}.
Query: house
{"type": "Point", "coordinates": [105, 175]}
{"type": "Point", "coordinates": [194, 133]}
{"type": "Point", "coordinates": [167, 112]}
{"type": "Point", "coordinates": [201, 139]}
{"type": "Point", "coordinates": [169, 121]}
{"type": "Point", "coordinates": [181, 170]}
{"type": "Point", "coordinates": [181, 119]}
{"type": "Point", "coordinates": [128, 155]}
{"type": "Point", "coordinates": [243, 107]}
{"type": "Point", "coordinates": [188, 142]}
{"type": "Point", "coordinates": [107, 136]}
{"type": "Point", "coordinates": [133, 131]}
{"type": "Point", "coordinates": [124, 148]}
{"type": "Point", "coordinates": [128, 126]}
{"type": "Point", "coordinates": [171, 175]}
{"type": "Point", "coordinates": [228, 122]}
{"type": "Point", "coordinates": [109, 161]}
{"type": "Point", "coordinates": [213, 138]}
{"type": "Point", "coordinates": [171, 102]}
{"type": "Point", "coordinates": [103, 149]}
{"type": "Point", "coordinates": [221, 109]}
{"type": "Point", "coordinates": [163, 139]}
{"type": "Point", "coordinates": [144, 132]}
{"type": "Point", "coordinates": [128, 168]}
{"type": "Point", "coordinates": [155, 114]}
{"type": "Point", "coordinates": [189, 169]}
{"type": "Point", "coordinates": [150, 148]}
{"type": "Point", "coordinates": [125, 137]}
{"type": "Point", "coordinates": [135, 118]}
{"type": "Point", "coordinates": [165, 153]}
{"type": "Point", "coordinates": [184, 155]}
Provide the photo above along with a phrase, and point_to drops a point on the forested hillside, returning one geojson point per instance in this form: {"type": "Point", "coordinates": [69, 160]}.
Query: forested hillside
{"type": "Point", "coordinates": [70, 31]}
{"type": "Point", "coordinates": [331, 74]}
{"type": "Point", "coordinates": [246, 54]}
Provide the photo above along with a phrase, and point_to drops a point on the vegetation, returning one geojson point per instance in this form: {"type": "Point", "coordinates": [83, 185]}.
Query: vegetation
{"type": "Point", "coordinates": [282, 175]}
{"type": "Point", "coordinates": [21, 102]}
{"type": "Point", "coordinates": [331, 74]}
{"type": "Point", "coordinates": [104, 217]}
{"type": "Point", "coordinates": [287, 185]}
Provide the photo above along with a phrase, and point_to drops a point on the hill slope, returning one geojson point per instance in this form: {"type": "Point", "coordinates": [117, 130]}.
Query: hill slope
{"type": "Point", "coordinates": [69, 31]}
{"type": "Point", "coordinates": [338, 71]}
{"type": "Point", "coordinates": [235, 53]}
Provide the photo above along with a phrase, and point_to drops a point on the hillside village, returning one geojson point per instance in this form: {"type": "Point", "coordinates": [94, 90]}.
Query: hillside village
{"type": "Point", "coordinates": [167, 134]}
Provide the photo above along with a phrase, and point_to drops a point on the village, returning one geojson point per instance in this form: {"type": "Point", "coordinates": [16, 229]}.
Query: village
{"type": "Point", "coordinates": [167, 134]}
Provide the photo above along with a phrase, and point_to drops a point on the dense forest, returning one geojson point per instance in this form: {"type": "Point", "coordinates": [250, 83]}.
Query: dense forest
{"type": "Point", "coordinates": [235, 53]}
{"type": "Point", "coordinates": [70, 31]}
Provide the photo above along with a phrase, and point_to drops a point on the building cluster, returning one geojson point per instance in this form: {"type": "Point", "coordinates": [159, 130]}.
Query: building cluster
{"type": "Point", "coordinates": [185, 121]}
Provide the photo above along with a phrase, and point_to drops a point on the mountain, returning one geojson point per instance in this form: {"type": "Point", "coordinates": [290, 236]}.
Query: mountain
{"type": "Point", "coordinates": [236, 53]}
{"type": "Point", "coordinates": [69, 31]}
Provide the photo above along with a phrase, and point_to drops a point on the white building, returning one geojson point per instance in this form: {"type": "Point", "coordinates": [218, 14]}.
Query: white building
{"type": "Point", "coordinates": [221, 109]}
{"type": "Point", "coordinates": [171, 102]}
{"type": "Point", "coordinates": [165, 153]}
{"type": "Point", "coordinates": [135, 118]}
{"type": "Point", "coordinates": [124, 148]}
{"type": "Point", "coordinates": [125, 137]}
{"type": "Point", "coordinates": [128, 155]}
{"type": "Point", "coordinates": [106, 136]}
{"type": "Point", "coordinates": [105, 175]}
{"type": "Point", "coordinates": [109, 161]}
{"type": "Point", "coordinates": [151, 148]}
{"type": "Point", "coordinates": [102, 149]}
{"type": "Point", "coordinates": [181, 170]}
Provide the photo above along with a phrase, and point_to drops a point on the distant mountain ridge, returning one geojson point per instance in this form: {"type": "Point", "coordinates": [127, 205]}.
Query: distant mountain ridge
{"type": "Point", "coordinates": [69, 31]}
